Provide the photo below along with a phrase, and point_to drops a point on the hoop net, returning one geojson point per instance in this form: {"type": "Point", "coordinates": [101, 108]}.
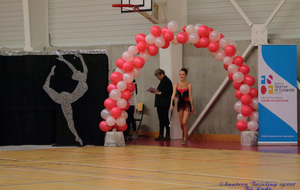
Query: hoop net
{"type": "Point", "coordinates": [128, 7]}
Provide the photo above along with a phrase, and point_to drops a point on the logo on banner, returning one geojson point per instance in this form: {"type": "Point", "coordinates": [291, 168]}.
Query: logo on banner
{"type": "Point", "coordinates": [267, 87]}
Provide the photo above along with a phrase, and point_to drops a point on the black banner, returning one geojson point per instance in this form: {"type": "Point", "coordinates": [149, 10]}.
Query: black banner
{"type": "Point", "coordinates": [52, 99]}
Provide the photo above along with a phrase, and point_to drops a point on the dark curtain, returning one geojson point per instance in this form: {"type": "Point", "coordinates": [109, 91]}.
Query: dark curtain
{"type": "Point", "coordinates": [29, 116]}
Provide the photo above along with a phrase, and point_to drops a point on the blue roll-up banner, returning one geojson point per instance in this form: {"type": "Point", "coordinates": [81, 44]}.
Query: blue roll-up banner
{"type": "Point", "coordinates": [277, 76]}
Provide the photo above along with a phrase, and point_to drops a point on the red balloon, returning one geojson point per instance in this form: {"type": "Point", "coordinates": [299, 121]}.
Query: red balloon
{"type": "Point", "coordinates": [109, 103]}
{"type": "Point", "coordinates": [249, 80]}
{"type": "Point", "coordinates": [116, 112]}
{"type": "Point", "coordinates": [111, 86]}
{"type": "Point", "coordinates": [155, 31]}
{"type": "Point", "coordinates": [241, 125]}
{"type": "Point", "coordinates": [246, 111]}
{"type": "Point", "coordinates": [168, 36]}
{"type": "Point", "coordinates": [140, 37]}
{"type": "Point", "coordinates": [104, 127]}
{"type": "Point", "coordinates": [183, 28]}
{"type": "Point", "coordinates": [230, 76]}
{"type": "Point", "coordinates": [167, 44]}
{"type": "Point", "coordinates": [152, 49]}
{"type": "Point", "coordinates": [221, 36]}
{"type": "Point", "coordinates": [238, 60]}
{"type": "Point", "coordinates": [253, 92]}
{"type": "Point", "coordinates": [246, 99]}
{"type": "Point", "coordinates": [236, 85]}
{"type": "Point", "coordinates": [120, 63]}
{"type": "Point", "coordinates": [230, 50]}
{"type": "Point", "coordinates": [130, 87]}
{"type": "Point", "coordinates": [141, 46]}
{"type": "Point", "coordinates": [115, 77]}
{"type": "Point", "coordinates": [244, 69]}
{"type": "Point", "coordinates": [128, 67]}
{"type": "Point", "coordinates": [138, 62]}
{"type": "Point", "coordinates": [126, 94]}
{"type": "Point", "coordinates": [204, 42]}
{"type": "Point", "coordinates": [121, 128]}
{"type": "Point", "coordinates": [203, 31]}
{"type": "Point", "coordinates": [226, 68]}
{"type": "Point", "coordinates": [164, 30]}
{"type": "Point", "coordinates": [238, 94]}
{"type": "Point", "coordinates": [198, 44]}
{"type": "Point", "coordinates": [127, 106]}
{"type": "Point", "coordinates": [213, 46]}
{"type": "Point", "coordinates": [182, 37]}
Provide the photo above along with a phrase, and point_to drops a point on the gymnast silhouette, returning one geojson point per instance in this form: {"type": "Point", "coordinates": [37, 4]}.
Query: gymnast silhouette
{"type": "Point", "coordinates": [65, 99]}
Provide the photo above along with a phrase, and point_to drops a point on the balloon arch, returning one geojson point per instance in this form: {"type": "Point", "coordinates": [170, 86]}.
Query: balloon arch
{"type": "Point", "coordinates": [201, 36]}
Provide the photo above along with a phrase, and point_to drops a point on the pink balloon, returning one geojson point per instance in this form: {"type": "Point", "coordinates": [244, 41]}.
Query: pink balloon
{"type": "Point", "coordinates": [115, 77]}
{"type": "Point", "coordinates": [213, 46]}
{"type": "Point", "coordinates": [253, 92]}
{"type": "Point", "coordinates": [115, 112]}
{"type": "Point", "coordinates": [120, 63]}
{"type": "Point", "coordinates": [241, 125]}
{"type": "Point", "coordinates": [168, 36]}
{"type": "Point", "coordinates": [138, 62]}
{"type": "Point", "coordinates": [140, 37]}
{"type": "Point", "coordinates": [121, 128]}
{"type": "Point", "coordinates": [246, 111]}
{"type": "Point", "coordinates": [244, 69]}
{"type": "Point", "coordinates": [109, 103]}
{"type": "Point", "coordinates": [252, 125]}
{"type": "Point", "coordinates": [126, 94]}
{"type": "Point", "coordinates": [182, 37]}
{"type": "Point", "coordinates": [127, 106]}
{"type": "Point", "coordinates": [130, 86]}
{"type": "Point", "coordinates": [230, 50]}
{"type": "Point", "coordinates": [128, 67]}
{"type": "Point", "coordinates": [111, 86]}
{"type": "Point", "coordinates": [203, 31]}
{"type": "Point", "coordinates": [246, 99]}
{"type": "Point", "coordinates": [236, 85]}
{"type": "Point", "coordinates": [152, 49]}
{"type": "Point", "coordinates": [104, 127]}
{"type": "Point", "coordinates": [155, 31]}
{"type": "Point", "coordinates": [238, 94]}
{"type": "Point", "coordinates": [238, 60]}
{"type": "Point", "coordinates": [248, 79]}
{"type": "Point", "coordinates": [141, 46]}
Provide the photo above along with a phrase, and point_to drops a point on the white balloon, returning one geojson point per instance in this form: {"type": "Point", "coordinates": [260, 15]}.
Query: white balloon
{"type": "Point", "coordinates": [174, 41]}
{"type": "Point", "coordinates": [238, 106]}
{"type": "Point", "coordinates": [110, 121]}
{"type": "Point", "coordinates": [228, 60]}
{"type": "Point", "coordinates": [194, 38]}
{"type": "Point", "coordinates": [237, 76]}
{"type": "Point", "coordinates": [252, 125]}
{"type": "Point", "coordinates": [197, 26]}
{"type": "Point", "coordinates": [105, 114]}
{"type": "Point", "coordinates": [115, 94]}
{"type": "Point", "coordinates": [220, 56]}
{"type": "Point", "coordinates": [254, 116]}
{"type": "Point", "coordinates": [254, 103]}
{"type": "Point", "coordinates": [190, 29]}
{"type": "Point", "coordinates": [232, 68]}
{"type": "Point", "coordinates": [119, 70]}
{"type": "Point", "coordinates": [214, 36]}
{"type": "Point", "coordinates": [122, 103]}
{"type": "Point", "coordinates": [150, 39]}
{"type": "Point", "coordinates": [136, 72]}
{"type": "Point", "coordinates": [122, 85]}
{"type": "Point", "coordinates": [159, 42]}
{"type": "Point", "coordinates": [172, 26]}
{"type": "Point", "coordinates": [240, 117]}
{"type": "Point", "coordinates": [232, 42]}
{"type": "Point", "coordinates": [128, 77]}
{"type": "Point", "coordinates": [145, 56]}
{"type": "Point", "coordinates": [132, 49]}
{"type": "Point", "coordinates": [124, 114]}
{"type": "Point", "coordinates": [223, 42]}
{"type": "Point", "coordinates": [244, 89]}
{"type": "Point", "coordinates": [127, 56]}
{"type": "Point", "coordinates": [120, 121]}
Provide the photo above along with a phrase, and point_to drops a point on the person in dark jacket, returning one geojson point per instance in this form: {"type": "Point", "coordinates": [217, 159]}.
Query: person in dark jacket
{"type": "Point", "coordinates": [162, 103]}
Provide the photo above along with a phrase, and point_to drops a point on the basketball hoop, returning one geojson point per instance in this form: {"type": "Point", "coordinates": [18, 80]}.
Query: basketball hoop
{"type": "Point", "coordinates": [128, 7]}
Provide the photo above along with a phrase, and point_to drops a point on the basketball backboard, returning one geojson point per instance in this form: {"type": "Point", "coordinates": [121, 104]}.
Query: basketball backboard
{"type": "Point", "coordinates": [144, 5]}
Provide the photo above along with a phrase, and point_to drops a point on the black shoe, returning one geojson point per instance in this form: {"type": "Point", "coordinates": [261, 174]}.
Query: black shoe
{"type": "Point", "coordinates": [167, 138]}
{"type": "Point", "coordinates": [128, 139]}
{"type": "Point", "coordinates": [159, 138]}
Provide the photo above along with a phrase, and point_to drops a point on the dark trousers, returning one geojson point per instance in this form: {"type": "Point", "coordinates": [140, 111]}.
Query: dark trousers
{"type": "Point", "coordinates": [130, 120]}
{"type": "Point", "coordinates": [163, 116]}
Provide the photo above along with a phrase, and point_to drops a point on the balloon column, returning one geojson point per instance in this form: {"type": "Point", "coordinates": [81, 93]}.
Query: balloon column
{"type": "Point", "coordinates": [201, 36]}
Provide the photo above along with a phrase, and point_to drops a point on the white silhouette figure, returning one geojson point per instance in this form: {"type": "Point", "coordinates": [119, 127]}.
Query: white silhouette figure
{"type": "Point", "coordinates": [65, 99]}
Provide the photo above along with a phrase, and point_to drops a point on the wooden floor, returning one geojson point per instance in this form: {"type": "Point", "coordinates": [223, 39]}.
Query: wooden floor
{"type": "Point", "coordinates": [157, 166]}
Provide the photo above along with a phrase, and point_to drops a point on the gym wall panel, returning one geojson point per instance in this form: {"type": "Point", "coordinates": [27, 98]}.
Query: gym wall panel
{"type": "Point", "coordinates": [11, 24]}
